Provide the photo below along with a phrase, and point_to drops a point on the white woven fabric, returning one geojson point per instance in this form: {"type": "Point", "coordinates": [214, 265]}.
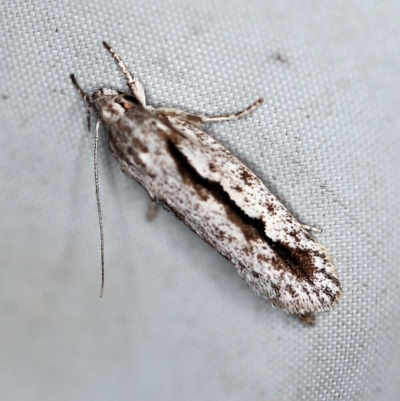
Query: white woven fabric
{"type": "Point", "coordinates": [176, 322]}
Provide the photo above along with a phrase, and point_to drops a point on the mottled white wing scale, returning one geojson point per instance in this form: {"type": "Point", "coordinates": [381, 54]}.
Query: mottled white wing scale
{"type": "Point", "coordinates": [214, 163]}
{"type": "Point", "coordinates": [218, 197]}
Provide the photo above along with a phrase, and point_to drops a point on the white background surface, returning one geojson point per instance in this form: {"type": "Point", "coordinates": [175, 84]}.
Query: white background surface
{"type": "Point", "coordinates": [176, 322]}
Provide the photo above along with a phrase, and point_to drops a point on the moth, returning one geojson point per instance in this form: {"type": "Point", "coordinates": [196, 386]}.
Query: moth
{"type": "Point", "coordinates": [190, 174]}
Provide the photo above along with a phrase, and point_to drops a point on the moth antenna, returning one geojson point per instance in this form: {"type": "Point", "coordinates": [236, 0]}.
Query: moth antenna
{"type": "Point", "coordinates": [96, 181]}
{"type": "Point", "coordinates": [85, 97]}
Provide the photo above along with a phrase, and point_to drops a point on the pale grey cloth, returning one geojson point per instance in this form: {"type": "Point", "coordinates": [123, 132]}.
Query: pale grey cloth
{"type": "Point", "coordinates": [176, 322]}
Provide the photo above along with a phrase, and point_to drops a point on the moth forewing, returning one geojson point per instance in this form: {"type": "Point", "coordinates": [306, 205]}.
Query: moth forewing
{"type": "Point", "coordinates": [195, 177]}
{"type": "Point", "coordinates": [272, 251]}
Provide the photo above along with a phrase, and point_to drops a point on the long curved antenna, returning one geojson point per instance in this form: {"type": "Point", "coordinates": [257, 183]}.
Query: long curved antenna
{"type": "Point", "coordinates": [86, 98]}
{"type": "Point", "coordinates": [96, 182]}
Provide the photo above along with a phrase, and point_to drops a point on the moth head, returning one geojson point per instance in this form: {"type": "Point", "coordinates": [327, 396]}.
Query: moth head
{"type": "Point", "coordinates": [111, 104]}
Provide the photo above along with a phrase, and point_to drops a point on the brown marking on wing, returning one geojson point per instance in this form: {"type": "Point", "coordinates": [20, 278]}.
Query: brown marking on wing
{"type": "Point", "coordinates": [299, 261]}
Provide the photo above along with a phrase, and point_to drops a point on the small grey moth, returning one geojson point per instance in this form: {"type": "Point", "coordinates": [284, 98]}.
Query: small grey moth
{"type": "Point", "coordinates": [190, 174]}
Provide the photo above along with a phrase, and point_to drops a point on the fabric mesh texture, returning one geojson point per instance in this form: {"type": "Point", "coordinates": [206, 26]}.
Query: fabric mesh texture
{"type": "Point", "coordinates": [176, 322]}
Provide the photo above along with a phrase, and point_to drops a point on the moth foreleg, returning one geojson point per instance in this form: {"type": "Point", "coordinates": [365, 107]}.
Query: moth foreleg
{"type": "Point", "coordinates": [132, 81]}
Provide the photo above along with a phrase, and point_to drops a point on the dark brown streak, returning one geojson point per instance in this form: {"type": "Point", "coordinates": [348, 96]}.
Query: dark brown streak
{"type": "Point", "coordinates": [297, 261]}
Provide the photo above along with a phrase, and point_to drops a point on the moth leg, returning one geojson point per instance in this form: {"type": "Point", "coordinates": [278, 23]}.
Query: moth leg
{"type": "Point", "coordinates": [232, 116]}
{"type": "Point", "coordinates": [132, 81]}
{"type": "Point", "coordinates": [311, 228]}
{"type": "Point", "coordinates": [307, 318]}
{"type": "Point", "coordinates": [152, 211]}
{"type": "Point", "coordinates": [198, 119]}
